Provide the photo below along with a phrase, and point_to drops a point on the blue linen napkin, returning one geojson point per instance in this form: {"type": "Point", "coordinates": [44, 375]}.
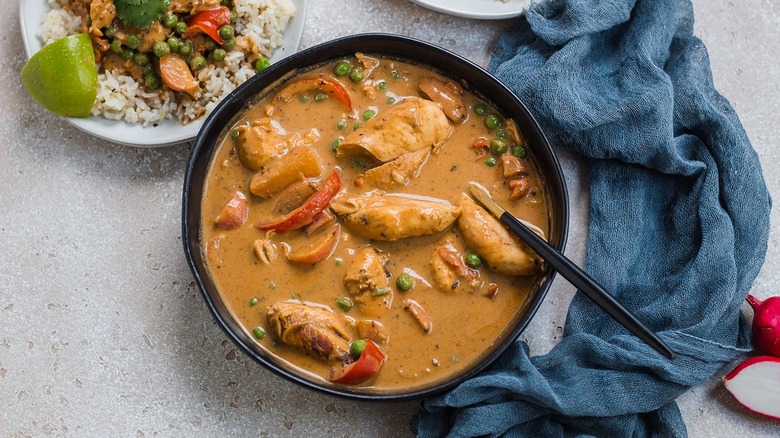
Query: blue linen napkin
{"type": "Point", "coordinates": [678, 231]}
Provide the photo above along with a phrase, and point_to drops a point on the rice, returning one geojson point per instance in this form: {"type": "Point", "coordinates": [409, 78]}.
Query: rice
{"type": "Point", "coordinates": [259, 29]}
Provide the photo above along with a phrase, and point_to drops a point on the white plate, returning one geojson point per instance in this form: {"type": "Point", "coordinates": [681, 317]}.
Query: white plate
{"type": "Point", "coordinates": [167, 132]}
{"type": "Point", "coordinates": [482, 9]}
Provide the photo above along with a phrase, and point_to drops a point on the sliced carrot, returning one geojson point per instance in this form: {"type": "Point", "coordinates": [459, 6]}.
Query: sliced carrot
{"type": "Point", "coordinates": [177, 75]}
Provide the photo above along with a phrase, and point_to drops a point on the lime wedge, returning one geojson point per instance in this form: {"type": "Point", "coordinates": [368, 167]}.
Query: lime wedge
{"type": "Point", "coordinates": [62, 76]}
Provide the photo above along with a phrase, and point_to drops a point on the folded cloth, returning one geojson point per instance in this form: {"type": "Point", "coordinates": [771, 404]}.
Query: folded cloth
{"type": "Point", "coordinates": [679, 224]}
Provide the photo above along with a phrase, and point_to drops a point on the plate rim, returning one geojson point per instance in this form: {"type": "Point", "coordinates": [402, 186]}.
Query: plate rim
{"type": "Point", "coordinates": [479, 12]}
{"type": "Point", "coordinates": [102, 128]}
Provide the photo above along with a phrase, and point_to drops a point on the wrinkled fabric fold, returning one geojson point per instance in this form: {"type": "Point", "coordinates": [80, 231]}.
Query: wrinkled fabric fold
{"type": "Point", "coordinates": [679, 224]}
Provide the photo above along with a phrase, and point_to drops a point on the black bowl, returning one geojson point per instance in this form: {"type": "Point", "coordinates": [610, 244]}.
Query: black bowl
{"type": "Point", "coordinates": [478, 81]}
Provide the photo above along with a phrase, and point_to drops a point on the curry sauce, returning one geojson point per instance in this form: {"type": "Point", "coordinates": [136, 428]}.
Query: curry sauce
{"type": "Point", "coordinates": [348, 176]}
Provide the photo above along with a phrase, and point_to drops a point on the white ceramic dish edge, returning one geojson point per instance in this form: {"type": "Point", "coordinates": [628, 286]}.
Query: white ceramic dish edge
{"type": "Point", "coordinates": [479, 9]}
{"type": "Point", "coordinates": [167, 132]}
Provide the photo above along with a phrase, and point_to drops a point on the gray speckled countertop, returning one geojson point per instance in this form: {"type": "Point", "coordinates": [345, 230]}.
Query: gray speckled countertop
{"type": "Point", "coordinates": [104, 333]}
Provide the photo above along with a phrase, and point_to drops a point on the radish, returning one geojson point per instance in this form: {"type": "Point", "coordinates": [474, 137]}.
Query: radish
{"type": "Point", "coordinates": [756, 385]}
{"type": "Point", "coordinates": [766, 324]}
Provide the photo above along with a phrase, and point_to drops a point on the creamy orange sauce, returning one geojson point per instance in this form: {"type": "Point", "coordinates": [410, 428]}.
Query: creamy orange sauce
{"type": "Point", "coordinates": [464, 323]}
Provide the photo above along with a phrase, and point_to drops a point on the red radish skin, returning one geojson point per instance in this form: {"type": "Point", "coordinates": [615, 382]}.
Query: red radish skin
{"type": "Point", "coordinates": [766, 324]}
{"type": "Point", "coordinates": [756, 385]}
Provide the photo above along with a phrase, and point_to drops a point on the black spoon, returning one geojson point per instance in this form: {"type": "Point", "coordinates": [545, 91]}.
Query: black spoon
{"type": "Point", "coordinates": [576, 276]}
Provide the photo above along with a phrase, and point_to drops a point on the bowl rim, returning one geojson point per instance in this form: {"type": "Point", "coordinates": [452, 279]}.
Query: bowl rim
{"type": "Point", "coordinates": [206, 142]}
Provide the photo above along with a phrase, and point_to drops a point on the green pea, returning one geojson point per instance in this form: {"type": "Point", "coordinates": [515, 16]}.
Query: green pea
{"type": "Point", "coordinates": [341, 68]}
{"type": "Point", "coordinates": [339, 261]}
{"type": "Point", "coordinates": [303, 98]}
{"type": "Point", "coordinates": [334, 145]}
{"type": "Point", "coordinates": [368, 114]}
{"type": "Point", "coordinates": [253, 301]}
{"type": "Point", "coordinates": [110, 32]}
{"type": "Point", "coordinates": [234, 134]}
{"type": "Point", "coordinates": [356, 348]}
{"type": "Point", "coordinates": [520, 151]}
{"type": "Point", "coordinates": [404, 282]}
{"type": "Point", "coordinates": [227, 32]}
{"type": "Point", "coordinates": [160, 49]}
{"type": "Point", "coordinates": [490, 161]}
{"type": "Point", "coordinates": [262, 64]}
{"type": "Point", "coordinates": [170, 20]}
{"type": "Point", "coordinates": [341, 124]}
{"type": "Point", "coordinates": [219, 54]}
{"type": "Point", "coordinates": [473, 260]}
{"type": "Point", "coordinates": [356, 126]}
{"type": "Point", "coordinates": [185, 49]}
{"type": "Point", "coordinates": [319, 97]}
{"type": "Point", "coordinates": [147, 69]}
{"type": "Point", "coordinates": [356, 74]}
{"type": "Point", "coordinates": [501, 133]}
{"type": "Point", "coordinates": [229, 45]}
{"type": "Point", "coordinates": [197, 63]}
{"type": "Point", "coordinates": [259, 332]}
{"type": "Point", "coordinates": [127, 54]}
{"type": "Point", "coordinates": [391, 100]}
{"type": "Point", "coordinates": [344, 303]}
{"type": "Point", "coordinates": [152, 81]}
{"type": "Point", "coordinates": [480, 109]}
{"type": "Point", "coordinates": [115, 47]}
{"type": "Point", "coordinates": [498, 146]}
{"type": "Point", "coordinates": [180, 27]}
{"type": "Point", "coordinates": [209, 45]}
{"type": "Point", "coordinates": [133, 41]}
{"type": "Point", "coordinates": [383, 86]}
{"type": "Point", "coordinates": [492, 121]}
{"type": "Point", "coordinates": [174, 44]}
{"type": "Point", "coordinates": [233, 16]}
{"type": "Point", "coordinates": [394, 74]}
{"type": "Point", "coordinates": [141, 58]}
{"type": "Point", "coordinates": [381, 291]}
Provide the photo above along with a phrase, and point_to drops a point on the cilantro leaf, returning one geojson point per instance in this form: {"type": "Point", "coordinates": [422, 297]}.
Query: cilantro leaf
{"type": "Point", "coordinates": [140, 13]}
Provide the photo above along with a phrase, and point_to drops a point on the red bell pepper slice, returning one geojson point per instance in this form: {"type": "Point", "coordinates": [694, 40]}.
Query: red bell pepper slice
{"type": "Point", "coordinates": [306, 213]}
{"type": "Point", "coordinates": [327, 85]}
{"type": "Point", "coordinates": [208, 22]}
{"type": "Point", "coordinates": [371, 359]}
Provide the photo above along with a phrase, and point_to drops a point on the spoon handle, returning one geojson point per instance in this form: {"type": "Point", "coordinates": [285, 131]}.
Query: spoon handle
{"type": "Point", "coordinates": [585, 283]}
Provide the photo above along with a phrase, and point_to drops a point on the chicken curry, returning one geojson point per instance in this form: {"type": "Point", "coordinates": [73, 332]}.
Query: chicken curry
{"type": "Point", "coordinates": [338, 231]}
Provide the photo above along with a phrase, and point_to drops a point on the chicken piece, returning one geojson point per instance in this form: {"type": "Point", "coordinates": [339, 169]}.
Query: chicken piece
{"type": "Point", "coordinates": [407, 126]}
{"type": "Point", "coordinates": [155, 32]}
{"type": "Point", "coordinates": [511, 166]}
{"type": "Point", "coordinates": [366, 280]}
{"type": "Point", "coordinates": [373, 330]}
{"type": "Point", "coordinates": [500, 249]}
{"type": "Point", "coordinates": [398, 172]}
{"type": "Point", "coordinates": [192, 6]}
{"type": "Point", "coordinates": [257, 144]}
{"type": "Point", "coordinates": [447, 95]}
{"type": "Point", "coordinates": [379, 216]}
{"type": "Point", "coordinates": [513, 132]}
{"type": "Point", "coordinates": [102, 13]}
{"type": "Point", "coordinates": [369, 63]}
{"type": "Point", "coordinates": [317, 330]}
{"type": "Point", "coordinates": [450, 273]}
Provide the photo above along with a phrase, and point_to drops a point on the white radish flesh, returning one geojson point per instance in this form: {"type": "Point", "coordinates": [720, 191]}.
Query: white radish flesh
{"type": "Point", "coordinates": [756, 385]}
